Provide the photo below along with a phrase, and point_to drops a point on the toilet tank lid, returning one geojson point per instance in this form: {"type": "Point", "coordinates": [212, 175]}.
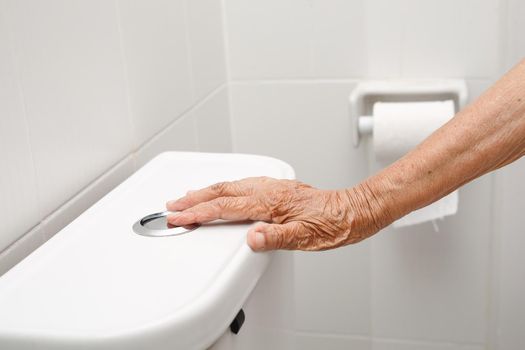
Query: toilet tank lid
{"type": "Point", "coordinates": [99, 284]}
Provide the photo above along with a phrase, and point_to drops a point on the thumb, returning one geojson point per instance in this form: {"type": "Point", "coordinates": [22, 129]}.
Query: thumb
{"type": "Point", "coordinates": [273, 236]}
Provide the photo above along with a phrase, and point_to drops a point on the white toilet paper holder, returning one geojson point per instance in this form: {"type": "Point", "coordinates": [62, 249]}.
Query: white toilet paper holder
{"type": "Point", "coordinates": [367, 93]}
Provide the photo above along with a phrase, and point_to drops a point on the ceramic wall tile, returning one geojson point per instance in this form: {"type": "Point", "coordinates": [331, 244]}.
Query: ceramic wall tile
{"type": "Point", "coordinates": [431, 285]}
{"type": "Point", "coordinates": [87, 197]}
{"type": "Point", "coordinates": [513, 27]}
{"type": "Point", "coordinates": [297, 39]}
{"type": "Point", "coordinates": [157, 59]}
{"type": "Point", "coordinates": [208, 64]}
{"type": "Point", "coordinates": [332, 291]}
{"type": "Point", "coordinates": [305, 341]}
{"type": "Point", "coordinates": [268, 39]}
{"type": "Point", "coordinates": [212, 117]}
{"type": "Point", "coordinates": [73, 86]}
{"type": "Point", "coordinates": [443, 39]}
{"type": "Point", "coordinates": [510, 243]}
{"type": "Point", "coordinates": [178, 136]}
{"type": "Point", "coordinates": [389, 344]}
{"type": "Point", "coordinates": [19, 204]}
{"type": "Point", "coordinates": [305, 124]}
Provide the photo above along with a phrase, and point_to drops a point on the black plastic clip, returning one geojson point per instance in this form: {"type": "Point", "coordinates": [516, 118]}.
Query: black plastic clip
{"type": "Point", "coordinates": [237, 322]}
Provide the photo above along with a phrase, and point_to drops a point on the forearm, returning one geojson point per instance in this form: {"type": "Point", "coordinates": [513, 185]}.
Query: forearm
{"type": "Point", "coordinates": [486, 135]}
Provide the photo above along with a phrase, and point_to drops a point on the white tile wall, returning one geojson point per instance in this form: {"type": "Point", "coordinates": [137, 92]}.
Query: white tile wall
{"type": "Point", "coordinates": [433, 285]}
{"type": "Point", "coordinates": [510, 231]}
{"type": "Point", "coordinates": [207, 45]}
{"type": "Point", "coordinates": [388, 344]}
{"type": "Point", "coordinates": [338, 43]}
{"type": "Point", "coordinates": [87, 197]}
{"type": "Point", "coordinates": [305, 124]}
{"type": "Point", "coordinates": [513, 27]}
{"type": "Point", "coordinates": [257, 52]}
{"type": "Point", "coordinates": [180, 136]}
{"type": "Point", "coordinates": [508, 286]}
{"type": "Point", "coordinates": [306, 341]}
{"type": "Point", "coordinates": [73, 87]}
{"type": "Point", "coordinates": [376, 38]}
{"type": "Point", "coordinates": [332, 291]}
{"type": "Point", "coordinates": [204, 128]}
{"type": "Point", "coordinates": [384, 31]}
{"type": "Point", "coordinates": [212, 122]}
{"type": "Point", "coordinates": [157, 58]}
{"type": "Point", "coordinates": [17, 177]}
{"type": "Point", "coordinates": [319, 38]}
{"type": "Point", "coordinates": [445, 38]}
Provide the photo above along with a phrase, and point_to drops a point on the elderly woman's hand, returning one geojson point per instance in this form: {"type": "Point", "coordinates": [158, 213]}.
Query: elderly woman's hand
{"type": "Point", "coordinates": [301, 216]}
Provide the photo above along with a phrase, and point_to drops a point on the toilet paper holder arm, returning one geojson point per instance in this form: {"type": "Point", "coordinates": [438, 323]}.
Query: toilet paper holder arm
{"type": "Point", "coordinates": [365, 125]}
{"type": "Point", "coordinates": [365, 94]}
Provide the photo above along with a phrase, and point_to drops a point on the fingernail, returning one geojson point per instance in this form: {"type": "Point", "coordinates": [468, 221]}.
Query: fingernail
{"type": "Point", "coordinates": [260, 241]}
{"type": "Point", "coordinates": [170, 203]}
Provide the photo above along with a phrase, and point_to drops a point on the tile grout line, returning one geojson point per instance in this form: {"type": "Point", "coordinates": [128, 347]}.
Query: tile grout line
{"type": "Point", "coordinates": [125, 76]}
{"type": "Point", "coordinates": [227, 61]}
{"type": "Point", "coordinates": [491, 310]}
{"type": "Point", "coordinates": [494, 257]}
{"type": "Point", "coordinates": [182, 115]}
{"type": "Point", "coordinates": [189, 56]}
{"type": "Point", "coordinates": [189, 53]}
{"type": "Point", "coordinates": [387, 339]}
{"type": "Point", "coordinates": [263, 81]}
{"type": "Point", "coordinates": [20, 92]}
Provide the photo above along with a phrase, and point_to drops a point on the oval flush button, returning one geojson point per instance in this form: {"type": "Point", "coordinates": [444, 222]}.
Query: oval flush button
{"type": "Point", "coordinates": [156, 225]}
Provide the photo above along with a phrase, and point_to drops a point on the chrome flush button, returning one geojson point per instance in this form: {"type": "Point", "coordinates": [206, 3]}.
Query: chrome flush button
{"type": "Point", "coordinates": [156, 225]}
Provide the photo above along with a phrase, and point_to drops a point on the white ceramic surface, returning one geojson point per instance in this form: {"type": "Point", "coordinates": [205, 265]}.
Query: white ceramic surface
{"type": "Point", "coordinates": [364, 38]}
{"type": "Point", "coordinates": [17, 179]}
{"type": "Point", "coordinates": [212, 120]}
{"type": "Point", "coordinates": [206, 37]}
{"type": "Point", "coordinates": [154, 38]}
{"type": "Point", "coordinates": [181, 135]}
{"type": "Point", "coordinates": [68, 66]}
{"type": "Point", "coordinates": [98, 285]}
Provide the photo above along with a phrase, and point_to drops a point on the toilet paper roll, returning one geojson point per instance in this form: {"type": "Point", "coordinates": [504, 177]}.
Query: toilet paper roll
{"type": "Point", "coordinates": [446, 206]}
{"type": "Point", "coordinates": [398, 128]}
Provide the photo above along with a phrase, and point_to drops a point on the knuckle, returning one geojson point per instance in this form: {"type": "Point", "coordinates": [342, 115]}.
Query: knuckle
{"type": "Point", "coordinates": [279, 202]}
{"type": "Point", "coordinates": [263, 180]}
{"type": "Point", "coordinates": [277, 238]}
{"type": "Point", "coordinates": [220, 187]}
{"type": "Point", "coordinates": [220, 203]}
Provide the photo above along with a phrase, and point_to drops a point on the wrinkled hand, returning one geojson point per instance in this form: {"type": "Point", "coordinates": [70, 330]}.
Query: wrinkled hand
{"type": "Point", "coordinates": [298, 216]}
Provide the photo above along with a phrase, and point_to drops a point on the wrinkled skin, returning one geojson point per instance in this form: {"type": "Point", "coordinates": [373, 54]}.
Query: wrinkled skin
{"type": "Point", "coordinates": [298, 216]}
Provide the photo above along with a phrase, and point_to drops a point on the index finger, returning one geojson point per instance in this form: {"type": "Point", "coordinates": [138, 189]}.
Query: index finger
{"type": "Point", "coordinates": [221, 189]}
{"type": "Point", "coordinates": [238, 208]}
